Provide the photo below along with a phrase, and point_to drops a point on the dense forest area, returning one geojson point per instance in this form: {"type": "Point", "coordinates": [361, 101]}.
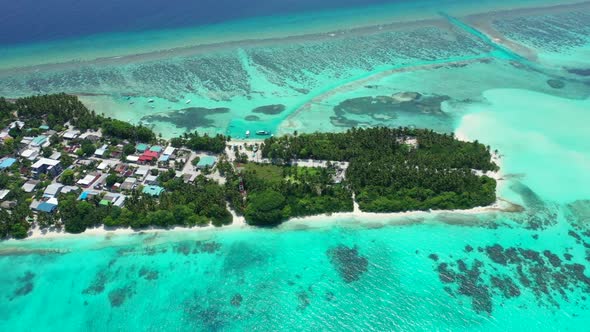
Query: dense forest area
{"type": "Point", "coordinates": [181, 204]}
{"type": "Point", "coordinates": [277, 193]}
{"type": "Point", "coordinates": [194, 141]}
{"type": "Point", "coordinates": [399, 169]}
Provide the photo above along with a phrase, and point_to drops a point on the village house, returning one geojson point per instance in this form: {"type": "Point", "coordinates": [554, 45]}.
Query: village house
{"type": "Point", "coordinates": [46, 166]}
{"type": "Point", "coordinates": [52, 190]}
{"type": "Point", "coordinates": [129, 183]}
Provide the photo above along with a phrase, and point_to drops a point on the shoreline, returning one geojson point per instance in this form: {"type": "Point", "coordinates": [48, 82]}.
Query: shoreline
{"type": "Point", "coordinates": [239, 223]}
{"type": "Point", "coordinates": [500, 205]}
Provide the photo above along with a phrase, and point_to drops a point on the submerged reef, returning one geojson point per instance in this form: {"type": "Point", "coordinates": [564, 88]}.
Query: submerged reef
{"type": "Point", "coordinates": [196, 247]}
{"type": "Point", "coordinates": [557, 32]}
{"type": "Point", "coordinates": [24, 285]}
{"type": "Point", "coordinates": [387, 108]}
{"type": "Point", "coordinates": [347, 261]}
{"type": "Point", "coordinates": [538, 214]}
{"type": "Point", "coordinates": [544, 273]}
{"type": "Point", "coordinates": [118, 296]}
{"type": "Point", "coordinates": [252, 118]}
{"type": "Point", "coordinates": [556, 84]}
{"type": "Point", "coordinates": [270, 109]}
{"type": "Point", "coordinates": [189, 118]}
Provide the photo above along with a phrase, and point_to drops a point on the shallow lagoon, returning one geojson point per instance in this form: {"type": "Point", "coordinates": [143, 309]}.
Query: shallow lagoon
{"type": "Point", "coordinates": [388, 57]}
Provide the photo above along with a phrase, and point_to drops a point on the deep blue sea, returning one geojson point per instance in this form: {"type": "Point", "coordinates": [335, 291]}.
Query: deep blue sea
{"type": "Point", "coordinates": [28, 21]}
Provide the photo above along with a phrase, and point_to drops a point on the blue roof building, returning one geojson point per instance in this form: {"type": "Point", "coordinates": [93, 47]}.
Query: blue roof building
{"type": "Point", "coordinates": [206, 161]}
{"type": "Point", "coordinates": [46, 207]}
{"type": "Point", "coordinates": [153, 190]}
{"type": "Point", "coordinates": [141, 147]}
{"type": "Point", "coordinates": [39, 140]}
{"type": "Point", "coordinates": [6, 163]}
{"type": "Point", "coordinates": [156, 148]}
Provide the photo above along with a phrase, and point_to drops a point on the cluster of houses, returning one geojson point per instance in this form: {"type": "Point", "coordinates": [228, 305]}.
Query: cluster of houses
{"type": "Point", "coordinates": [43, 171]}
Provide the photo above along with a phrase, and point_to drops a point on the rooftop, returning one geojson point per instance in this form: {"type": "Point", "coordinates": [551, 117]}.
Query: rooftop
{"type": "Point", "coordinates": [29, 186]}
{"type": "Point", "coordinates": [156, 148]}
{"type": "Point", "coordinates": [87, 180]}
{"type": "Point", "coordinates": [206, 161]}
{"type": "Point", "coordinates": [142, 171]}
{"type": "Point", "coordinates": [53, 189]}
{"type": "Point", "coordinates": [45, 161]}
{"type": "Point", "coordinates": [3, 193]}
{"type": "Point", "coordinates": [7, 163]}
{"type": "Point", "coordinates": [46, 207]}
{"type": "Point", "coordinates": [153, 190]}
{"type": "Point", "coordinates": [70, 134]}
{"type": "Point", "coordinates": [39, 140]}
{"type": "Point", "coordinates": [141, 147]}
{"type": "Point", "coordinates": [84, 195]}
{"type": "Point", "coordinates": [169, 150]}
{"type": "Point", "coordinates": [28, 153]}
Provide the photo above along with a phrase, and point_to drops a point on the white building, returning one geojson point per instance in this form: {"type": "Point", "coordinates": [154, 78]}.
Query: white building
{"type": "Point", "coordinates": [142, 172]}
{"type": "Point", "coordinates": [30, 154]}
{"type": "Point", "coordinates": [29, 186]}
{"type": "Point", "coordinates": [3, 194]}
{"type": "Point", "coordinates": [86, 181]}
{"type": "Point", "coordinates": [71, 134]}
{"type": "Point", "coordinates": [53, 190]}
{"type": "Point", "coordinates": [101, 151]}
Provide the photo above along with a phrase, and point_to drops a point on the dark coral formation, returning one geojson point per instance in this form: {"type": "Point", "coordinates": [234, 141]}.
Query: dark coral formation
{"type": "Point", "coordinates": [148, 274]}
{"type": "Point", "coordinates": [25, 285]}
{"type": "Point", "coordinates": [538, 215]}
{"type": "Point", "coordinates": [118, 296]}
{"type": "Point", "coordinates": [544, 273]}
{"type": "Point", "coordinates": [252, 118]}
{"type": "Point", "coordinates": [270, 109]}
{"type": "Point", "coordinates": [208, 247]}
{"type": "Point", "coordinates": [330, 296]}
{"type": "Point", "coordinates": [98, 284]}
{"type": "Point", "coordinates": [384, 108]}
{"type": "Point", "coordinates": [556, 84]}
{"type": "Point", "coordinates": [579, 71]}
{"type": "Point", "coordinates": [188, 118]}
{"type": "Point", "coordinates": [196, 247]}
{"type": "Point", "coordinates": [578, 214]}
{"type": "Point", "coordinates": [303, 299]}
{"type": "Point", "coordinates": [347, 261]}
{"type": "Point", "coordinates": [236, 300]}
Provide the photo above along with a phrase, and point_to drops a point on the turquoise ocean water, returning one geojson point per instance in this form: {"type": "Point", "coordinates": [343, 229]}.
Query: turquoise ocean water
{"type": "Point", "coordinates": [495, 271]}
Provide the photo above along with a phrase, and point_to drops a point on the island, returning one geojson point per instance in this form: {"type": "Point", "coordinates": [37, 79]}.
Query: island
{"type": "Point", "coordinates": [62, 166]}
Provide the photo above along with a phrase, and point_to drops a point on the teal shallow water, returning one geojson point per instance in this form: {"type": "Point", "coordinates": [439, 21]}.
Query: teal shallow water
{"type": "Point", "coordinates": [282, 280]}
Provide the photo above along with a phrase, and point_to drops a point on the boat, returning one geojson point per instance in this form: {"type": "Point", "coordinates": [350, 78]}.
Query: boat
{"type": "Point", "coordinates": [150, 101]}
{"type": "Point", "coordinates": [247, 133]}
{"type": "Point", "coordinates": [262, 133]}
{"type": "Point", "coordinates": [188, 101]}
